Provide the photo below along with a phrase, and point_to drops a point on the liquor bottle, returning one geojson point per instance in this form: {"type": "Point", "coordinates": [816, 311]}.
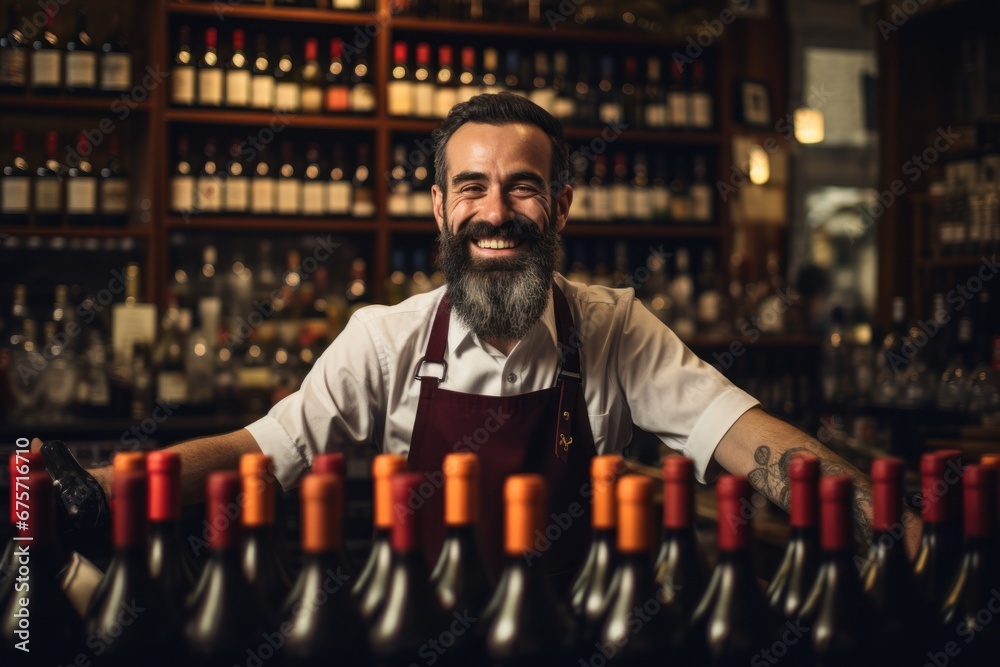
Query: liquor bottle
{"type": "Point", "coordinates": [459, 577]}
{"type": "Point", "coordinates": [236, 197]}
{"type": "Point", "coordinates": [263, 185]}
{"type": "Point", "coordinates": [600, 202]}
{"type": "Point", "coordinates": [182, 75]}
{"type": "Point", "coordinates": [680, 195]}
{"type": "Point", "coordinates": [467, 78]}
{"type": "Point", "coordinates": [261, 564]}
{"type": "Point", "coordinates": [681, 292]}
{"type": "Point", "coordinates": [287, 90]}
{"type": "Point", "coordinates": [15, 186]}
{"type": "Point", "coordinates": [512, 73]}
{"type": "Point", "coordinates": [680, 570]}
{"type": "Point", "coordinates": [660, 189]}
{"type": "Point", "coordinates": [842, 620]}
{"type": "Point", "coordinates": [167, 556]}
{"type": "Point", "coordinates": [60, 373]}
{"type": "Point", "coordinates": [362, 98]}
{"type": "Point", "coordinates": [81, 185]}
{"type": "Point", "coordinates": [563, 106]}
{"type": "Point", "coordinates": [732, 622]}
{"type": "Point", "coordinates": [337, 91]}
{"type": "Point", "coordinates": [289, 186]}
{"type": "Point", "coordinates": [210, 73]}
{"type": "Point", "coordinates": [48, 185]}
{"type": "Point", "coordinates": [525, 622]}
{"type": "Point", "coordinates": [210, 184]}
{"type": "Point", "coordinates": [700, 193]}
{"type": "Point", "coordinates": [589, 590]}
{"type": "Point", "coordinates": [542, 92]}
{"type": "Point", "coordinates": [678, 104]}
{"type": "Point", "coordinates": [224, 617]}
{"type": "Point", "coordinates": [27, 389]}
{"type": "Point", "coordinates": [238, 73]}
{"type": "Point", "coordinates": [322, 618]}
{"type": "Point", "coordinates": [113, 187]}
{"type": "Point", "coordinates": [116, 60]}
{"type": "Point", "coordinates": [168, 358]}
{"type": "Point", "coordinates": [445, 85]}
{"type": "Point", "coordinates": [887, 577]}
{"type": "Point", "coordinates": [490, 81]}
{"type": "Point", "coordinates": [699, 99]}
{"type": "Point", "coordinates": [127, 605]}
{"type": "Point", "coordinates": [132, 321]}
{"type": "Point", "coordinates": [654, 97]}
{"type": "Point", "coordinates": [13, 56]}
{"type": "Point", "coordinates": [339, 189]}
{"type": "Point", "coordinates": [312, 90]}
{"type": "Point", "coordinates": [796, 575]}
{"type": "Point", "coordinates": [364, 194]}
{"type": "Point", "coordinates": [640, 201]}
{"type": "Point", "coordinates": [423, 85]}
{"type": "Point", "coordinates": [182, 182]}
{"type": "Point", "coordinates": [634, 584]}
{"type": "Point", "coordinates": [46, 58]}
{"type": "Point", "coordinates": [940, 548]}
{"type": "Point", "coordinates": [421, 202]}
{"type": "Point", "coordinates": [37, 595]}
{"type": "Point", "coordinates": [21, 464]}
{"type": "Point", "coordinates": [81, 59]}
{"type": "Point", "coordinates": [398, 202]}
{"type": "Point", "coordinates": [400, 90]}
{"type": "Point", "coordinates": [372, 584]}
{"type": "Point", "coordinates": [620, 188]}
{"type": "Point", "coordinates": [313, 185]}
{"type": "Point", "coordinates": [582, 197]}
{"type": "Point", "coordinates": [262, 84]}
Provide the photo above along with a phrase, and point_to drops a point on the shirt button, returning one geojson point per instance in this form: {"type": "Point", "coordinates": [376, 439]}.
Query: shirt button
{"type": "Point", "coordinates": [511, 377]}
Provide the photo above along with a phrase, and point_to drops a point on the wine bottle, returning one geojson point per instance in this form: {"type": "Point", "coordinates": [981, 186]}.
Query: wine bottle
{"type": "Point", "coordinates": [398, 201]}
{"type": "Point", "coordinates": [81, 59]}
{"type": "Point", "coordinates": [312, 91]}
{"type": "Point", "coordinates": [116, 60]}
{"type": "Point", "coordinates": [260, 556]}
{"type": "Point", "coordinates": [678, 105]}
{"type": "Point", "coordinates": [15, 186]}
{"type": "Point", "coordinates": [362, 99]}
{"type": "Point", "coordinates": [289, 186]}
{"type": "Point", "coordinates": [126, 614]}
{"type": "Point", "coordinates": [976, 585]}
{"type": "Point", "coordinates": [654, 97]}
{"type": "Point", "coordinates": [263, 185]}
{"type": "Point", "coordinates": [589, 589]}
{"type": "Point", "coordinates": [372, 583]}
{"type": "Point", "coordinates": [82, 510]}
{"type": "Point", "coordinates": [620, 187]}
{"type": "Point", "coordinates": [114, 187]}
{"type": "Point", "coordinates": [48, 184]}
{"type": "Point", "coordinates": [842, 621]}
{"type": "Point", "coordinates": [525, 623]}
{"type": "Point", "coordinates": [411, 613]}
{"type": "Point", "coordinates": [336, 464]}
{"type": "Point", "coordinates": [210, 73]}
{"type": "Point", "coordinates": [182, 182]}
{"type": "Point", "coordinates": [339, 190]}
{"type": "Point", "coordinates": [467, 76]}
{"type": "Point", "coordinates": [21, 464]}
{"type": "Point", "coordinates": [940, 546]}
{"type": "Point", "coordinates": [238, 73]}
{"type": "Point", "coordinates": [13, 54]}
{"type": "Point", "coordinates": [445, 89]}
{"type": "Point", "coordinates": [679, 567]}
{"type": "Point", "coordinates": [210, 190]}
{"type": "Point", "coordinates": [610, 110]}
{"type": "Point", "coordinates": [313, 185]}
{"type": "Point", "coordinates": [262, 81]}
{"type": "Point", "coordinates": [700, 112]}
{"type": "Point", "coordinates": [322, 618]}
{"type": "Point", "coordinates": [490, 80]}
{"type": "Point", "coordinates": [46, 58]}
{"type": "Point", "coordinates": [423, 86]}
{"type": "Point", "coordinates": [337, 90]}
{"type": "Point", "coordinates": [459, 577]}
{"type": "Point", "coordinates": [287, 90]}
{"type": "Point", "coordinates": [182, 75]}
{"type": "Point", "coordinates": [237, 190]}
{"type": "Point", "coordinates": [56, 631]}
{"type": "Point", "coordinates": [400, 89]}
{"type": "Point", "coordinates": [796, 575]}
{"type": "Point", "coordinates": [81, 185]}
{"type": "Point", "coordinates": [732, 623]}
{"type": "Point", "coordinates": [364, 195]}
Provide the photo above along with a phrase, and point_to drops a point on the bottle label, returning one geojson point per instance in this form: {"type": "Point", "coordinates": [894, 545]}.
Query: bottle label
{"type": "Point", "coordinates": [619, 201]}
{"type": "Point", "coordinates": [661, 201]}
{"type": "Point", "coordinates": [363, 98]}
{"type": "Point", "coordinates": [12, 67]}
{"type": "Point", "coordinates": [423, 100]}
{"type": "Point", "coordinates": [14, 194]}
{"type": "Point", "coordinates": [338, 197]}
{"type": "Point", "coordinates": [48, 195]}
{"type": "Point", "coordinates": [545, 98]}
{"type": "Point", "coordinates": [81, 69]}
{"type": "Point", "coordinates": [171, 387]}
{"type": "Point", "coordinates": [262, 195]}
{"type": "Point", "coordinates": [421, 204]}
{"type": "Point", "coordinates": [400, 95]}
{"type": "Point", "coordinates": [582, 205]}
{"type": "Point", "coordinates": [600, 206]}
{"type": "Point", "coordinates": [564, 107]}
{"type": "Point", "coordinates": [81, 196]}
{"type": "Point", "coordinates": [337, 98]}
{"type": "Point", "coordinates": [467, 92]}
{"type": "Point", "coordinates": [209, 193]}
{"type": "Point", "coordinates": [237, 88]}
{"type": "Point", "coordinates": [182, 193]}
{"type": "Point", "coordinates": [182, 85]}
{"type": "Point", "coordinates": [348, 5]}
{"type": "Point", "coordinates": [610, 113]}
{"type": "Point", "coordinates": [701, 110]}
{"type": "Point", "coordinates": [312, 99]}
{"type": "Point", "coordinates": [444, 100]}
{"type": "Point", "coordinates": [45, 70]}
{"type": "Point", "coordinates": [641, 204]}
{"type": "Point", "coordinates": [237, 197]}
{"type": "Point", "coordinates": [114, 196]}
{"type": "Point", "coordinates": [262, 93]}
{"type": "Point", "coordinates": [656, 115]}
{"type": "Point", "coordinates": [364, 206]}
{"type": "Point", "coordinates": [708, 307]}
{"type": "Point", "coordinates": [313, 198]}
{"type": "Point", "coordinates": [287, 96]}
{"type": "Point", "coordinates": [116, 71]}
{"type": "Point", "coordinates": [701, 202]}
{"type": "Point", "coordinates": [680, 208]}
{"type": "Point", "coordinates": [289, 196]}
{"type": "Point", "coordinates": [399, 203]}
{"type": "Point", "coordinates": [210, 87]}
{"type": "Point", "coordinates": [677, 103]}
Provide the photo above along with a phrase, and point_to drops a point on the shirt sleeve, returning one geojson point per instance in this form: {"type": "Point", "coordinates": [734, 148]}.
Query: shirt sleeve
{"type": "Point", "coordinates": [336, 406]}
{"type": "Point", "coordinates": [671, 392]}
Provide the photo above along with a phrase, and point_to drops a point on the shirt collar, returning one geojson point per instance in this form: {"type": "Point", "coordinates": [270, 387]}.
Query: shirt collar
{"type": "Point", "coordinates": [460, 336]}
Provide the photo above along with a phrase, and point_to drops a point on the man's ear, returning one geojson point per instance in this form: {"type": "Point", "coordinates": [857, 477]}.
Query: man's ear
{"type": "Point", "coordinates": [437, 199]}
{"type": "Point", "coordinates": [563, 202]}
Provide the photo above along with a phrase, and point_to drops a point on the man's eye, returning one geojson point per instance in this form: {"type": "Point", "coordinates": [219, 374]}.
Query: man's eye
{"type": "Point", "coordinates": [524, 189]}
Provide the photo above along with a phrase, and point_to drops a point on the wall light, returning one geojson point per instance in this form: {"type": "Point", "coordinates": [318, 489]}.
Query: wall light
{"type": "Point", "coordinates": [808, 125]}
{"type": "Point", "coordinates": [760, 166]}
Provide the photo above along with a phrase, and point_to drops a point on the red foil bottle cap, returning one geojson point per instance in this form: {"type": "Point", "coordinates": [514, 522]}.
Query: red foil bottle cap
{"type": "Point", "coordinates": [336, 47]}
{"type": "Point", "coordinates": [423, 53]}
{"type": "Point", "coordinates": [164, 471]}
{"type": "Point", "coordinates": [937, 492]}
{"type": "Point", "coordinates": [238, 40]}
{"type": "Point", "coordinates": [887, 490]}
{"type": "Point", "coordinates": [41, 520]}
{"type": "Point", "coordinates": [211, 37]}
{"type": "Point", "coordinates": [836, 495]}
{"type": "Point", "coordinates": [405, 531]}
{"type": "Point", "coordinates": [330, 464]}
{"type": "Point", "coordinates": [735, 512]}
{"type": "Point", "coordinates": [678, 492]}
{"type": "Point", "coordinates": [223, 509]}
{"type": "Point", "coordinates": [979, 487]}
{"type": "Point", "coordinates": [468, 57]}
{"type": "Point", "coordinates": [803, 475]}
{"type": "Point", "coordinates": [129, 509]}
{"type": "Point", "coordinates": [18, 464]}
{"type": "Point", "coordinates": [399, 53]}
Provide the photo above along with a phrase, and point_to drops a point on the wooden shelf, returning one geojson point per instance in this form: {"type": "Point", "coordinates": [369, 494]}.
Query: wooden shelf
{"type": "Point", "coordinates": [271, 223]}
{"type": "Point", "coordinates": [223, 10]}
{"type": "Point", "coordinates": [69, 104]}
{"type": "Point", "coordinates": [953, 262]}
{"type": "Point", "coordinates": [76, 232]}
{"type": "Point", "coordinates": [265, 118]}
{"type": "Point", "coordinates": [710, 138]}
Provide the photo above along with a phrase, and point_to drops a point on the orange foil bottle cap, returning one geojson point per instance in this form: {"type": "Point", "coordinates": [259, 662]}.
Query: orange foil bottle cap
{"type": "Point", "coordinates": [321, 513]}
{"type": "Point", "coordinates": [258, 490]}
{"type": "Point", "coordinates": [604, 471]}
{"type": "Point", "coordinates": [461, 489]}
{"type": "Point", "coordinates": [128, 462]}
{"type": "Point", "coordinates": [524, 499]}
{"type": "Point", "coordinates": [383, 468]}
{"type": "Point", "coordinates": [635, 513]}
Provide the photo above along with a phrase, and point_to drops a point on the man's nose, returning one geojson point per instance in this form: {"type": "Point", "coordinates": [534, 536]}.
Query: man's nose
{"type": "Point", "coordinates": [496, 208]}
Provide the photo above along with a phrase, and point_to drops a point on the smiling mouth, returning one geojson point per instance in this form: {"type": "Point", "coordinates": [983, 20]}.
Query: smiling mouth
{"type": "Point", "coordinates": [494, 243]}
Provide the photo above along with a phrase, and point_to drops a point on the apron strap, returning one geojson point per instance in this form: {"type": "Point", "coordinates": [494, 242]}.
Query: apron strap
{"type": "Point", "coordinates": [432, 368]}
{"type": "Point", "coordinates": [570, 379]}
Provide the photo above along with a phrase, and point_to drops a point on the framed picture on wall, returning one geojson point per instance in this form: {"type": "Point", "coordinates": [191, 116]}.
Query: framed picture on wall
{"type": "Point", "coordinates": [753, 103]}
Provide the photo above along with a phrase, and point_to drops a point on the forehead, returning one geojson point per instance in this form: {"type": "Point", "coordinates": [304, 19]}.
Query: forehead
{"type": "Point", "coordinates": [499, 149]}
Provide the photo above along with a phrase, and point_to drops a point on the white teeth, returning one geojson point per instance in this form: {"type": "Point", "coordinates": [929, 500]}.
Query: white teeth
{"type": "Point", "coordinates": [496, 244]}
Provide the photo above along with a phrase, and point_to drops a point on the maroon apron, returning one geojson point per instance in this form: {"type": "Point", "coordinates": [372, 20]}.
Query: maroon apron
{"type": "Point", "coordinates": [545, 432]}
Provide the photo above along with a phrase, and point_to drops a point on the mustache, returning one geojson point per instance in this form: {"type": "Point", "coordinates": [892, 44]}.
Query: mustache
{"type": "Point", "coordinates": [518, 228]}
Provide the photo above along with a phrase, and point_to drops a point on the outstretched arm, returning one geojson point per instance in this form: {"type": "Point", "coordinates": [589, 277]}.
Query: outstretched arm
{"type": "Point", "coordinates": [760, 447]}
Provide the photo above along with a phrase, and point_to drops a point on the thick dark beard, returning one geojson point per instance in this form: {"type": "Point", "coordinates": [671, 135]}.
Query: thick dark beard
{"type": "Point", "coordinates": [499, 298]}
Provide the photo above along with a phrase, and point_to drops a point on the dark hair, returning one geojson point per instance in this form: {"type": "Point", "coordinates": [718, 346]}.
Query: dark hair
{"type": "Point", "coordinates": [502, 109]}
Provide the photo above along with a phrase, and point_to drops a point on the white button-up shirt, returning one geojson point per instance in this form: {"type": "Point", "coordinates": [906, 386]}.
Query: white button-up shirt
{"type": "Point", "coordinates": [635, 370]}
